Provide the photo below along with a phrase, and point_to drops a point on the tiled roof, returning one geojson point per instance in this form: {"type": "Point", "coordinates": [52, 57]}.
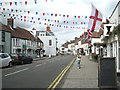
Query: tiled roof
{"type": "Point", "coordinates": [27, 34]}
{"type": "Point", "coordinates": [95, 35]}
{"type": "Point", "coordinates": [18, 32]}
{"type": "Point", "coordinates": [38, 39]}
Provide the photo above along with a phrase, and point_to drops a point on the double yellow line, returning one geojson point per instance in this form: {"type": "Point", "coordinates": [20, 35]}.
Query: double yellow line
{"type": "Point", "coordinates": [60, 76]}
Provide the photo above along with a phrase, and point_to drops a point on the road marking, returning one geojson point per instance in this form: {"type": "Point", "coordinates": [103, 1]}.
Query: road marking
{"type": "Point", "coordinates": [6, 69]}
{"type": "Point", "coordinates": [51, 61]}
{"type": "Point", "coordinates": [60, 76]}
{"type": "Point", "coordinates": [16, 72]}
{"type": "Point", "coordinates": [38, 65]}
{"type": "Point", "coordinates": [56, 78]}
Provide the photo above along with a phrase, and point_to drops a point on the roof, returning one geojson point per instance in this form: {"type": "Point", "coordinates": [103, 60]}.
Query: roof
{"type": "Point", "coordinates": [18, 32]}
{"type": "Point", "coordinates": [95, 35]}
{"type": "Point", "coordinates": [100, 44]}
{"type": "Point", "coordinates": [38, 39]}
{"type": "Point", "coordinates": [27, 34]}
{"type": "Point", "coordinates": [114, 9]}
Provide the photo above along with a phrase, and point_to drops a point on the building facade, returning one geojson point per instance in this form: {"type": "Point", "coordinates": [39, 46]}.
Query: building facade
{"type": "Point", "coordinates": [5, 41]}
{"type": "Point", "coordinates": [18, 40]}
{"type": "Point", "coordinates": [49, 40]}
{"type": "Point", "coordinates": [113, 44]}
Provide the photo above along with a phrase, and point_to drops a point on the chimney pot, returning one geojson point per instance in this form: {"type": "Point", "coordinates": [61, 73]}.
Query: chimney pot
{"type": "Point", "coordinates": [10, 22]}
{"type": "Point", "coordinates": [48, 28]}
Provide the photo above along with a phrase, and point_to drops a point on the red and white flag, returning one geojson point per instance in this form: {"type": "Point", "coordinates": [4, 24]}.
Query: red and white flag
{"type": "Point", "coordinates": [95, 21]}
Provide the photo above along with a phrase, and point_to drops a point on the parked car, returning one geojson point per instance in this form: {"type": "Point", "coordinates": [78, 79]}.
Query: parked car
{"type": "Point", "coordinates": [62, 53]}
{"type": "Point", "coordinates": [21, 58]}
{"type": "Point", "coordinates": [5, 60]}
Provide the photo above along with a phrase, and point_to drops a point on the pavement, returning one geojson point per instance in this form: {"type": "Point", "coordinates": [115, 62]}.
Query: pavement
{"type": "Point", "coordinates": [85, 77]}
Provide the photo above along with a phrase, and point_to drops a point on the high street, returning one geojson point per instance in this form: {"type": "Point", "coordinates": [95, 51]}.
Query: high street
{"type": "Point", "coordinates": [39, 74]}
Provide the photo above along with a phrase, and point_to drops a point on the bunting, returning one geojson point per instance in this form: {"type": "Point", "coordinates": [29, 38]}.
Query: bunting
{"type": "Point", "coordinates": [13, 3]}
{"type": "Point", "coordinates": [35, 1]}
{"type": "Point", "coordinates": [44, 21]}
{"type": "Point", "coordinates": [46, 14]}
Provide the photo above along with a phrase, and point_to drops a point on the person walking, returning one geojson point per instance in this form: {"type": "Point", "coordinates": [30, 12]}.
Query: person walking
{"type": "Point", "coordinates": [78, 58]}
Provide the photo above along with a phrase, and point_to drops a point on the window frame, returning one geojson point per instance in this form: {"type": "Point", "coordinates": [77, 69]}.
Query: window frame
{"type": "Point", "coordinates": [50, 42]}
{"type": "Point", "coordinates": [3, 36]}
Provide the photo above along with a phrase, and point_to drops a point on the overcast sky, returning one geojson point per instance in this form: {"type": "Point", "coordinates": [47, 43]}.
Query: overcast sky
{"type": "Point", "coordinates": [72, 8]}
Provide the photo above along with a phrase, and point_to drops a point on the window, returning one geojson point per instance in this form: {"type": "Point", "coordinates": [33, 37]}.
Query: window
{"type": "Point", "coordinates": [50, 42]}
{"type": "Point", "coordinates": [3, 36]}
{"type": "Point", "coordinates": [17, 42]}
{"type": "Point", "coordinates": [13, 41]}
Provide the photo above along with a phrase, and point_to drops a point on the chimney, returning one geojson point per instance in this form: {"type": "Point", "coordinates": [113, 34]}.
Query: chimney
{"type": "Point", "coordinates": [76, 38]}
{"type": "Point", "coordinates": [10, 22]}
{"type": "Point", "coordinates": [48, 28]}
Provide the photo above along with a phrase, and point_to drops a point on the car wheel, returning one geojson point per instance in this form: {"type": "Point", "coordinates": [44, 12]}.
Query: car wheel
{"type": "Point", "coordinates": [10, 64]}
{"type": "Point", "coordinates": [30, 61]}
{"type": "Point", "coordinates": [22, 62]}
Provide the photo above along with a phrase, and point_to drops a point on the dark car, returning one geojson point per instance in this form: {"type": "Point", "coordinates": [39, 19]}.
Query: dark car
{"type": "Point", "coordinates": [21, 58]}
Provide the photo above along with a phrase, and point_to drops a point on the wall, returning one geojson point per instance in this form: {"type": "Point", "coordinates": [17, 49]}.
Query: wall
{"type": "Point", "coordinates": [49, 49]}
{"type": "Point", "coordinates": [7, 43]}
{"type": "Point", "coordinates": [115, 17]}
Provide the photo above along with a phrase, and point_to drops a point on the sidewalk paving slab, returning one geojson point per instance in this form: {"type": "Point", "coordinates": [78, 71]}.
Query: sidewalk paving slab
{"type": "Point", "coordinates": [85, 77]}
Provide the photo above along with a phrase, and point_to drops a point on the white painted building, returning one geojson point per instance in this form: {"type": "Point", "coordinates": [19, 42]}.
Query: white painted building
{"type": "Point", "coordinates": [21, 40]}
{"type": "Point", "coordinates": [113, 46]}
{"type": "Point", "coordinates": [49, 40]}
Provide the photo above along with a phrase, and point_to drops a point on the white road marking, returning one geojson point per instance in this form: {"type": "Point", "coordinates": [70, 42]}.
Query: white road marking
{"type": "Point", "coordinates": [38, 65]}
{"type": "Point", "coordinates": [6, 69]}
{"type": "Point", "coordinates": [44, 63]}
{"type": "Point", "coordinates": [16, 72]}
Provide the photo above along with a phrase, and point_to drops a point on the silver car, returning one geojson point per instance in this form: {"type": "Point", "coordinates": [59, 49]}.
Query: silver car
{"type": "Point", "coordinates": [5, 60]}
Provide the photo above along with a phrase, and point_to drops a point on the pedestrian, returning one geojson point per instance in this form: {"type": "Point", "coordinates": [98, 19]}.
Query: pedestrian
{"type": "Point", "coordinates": [78, 58]}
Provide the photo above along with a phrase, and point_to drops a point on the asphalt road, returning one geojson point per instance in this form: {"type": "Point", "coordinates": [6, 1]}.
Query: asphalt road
{"type": "Point", "coordinates": [39, 74]}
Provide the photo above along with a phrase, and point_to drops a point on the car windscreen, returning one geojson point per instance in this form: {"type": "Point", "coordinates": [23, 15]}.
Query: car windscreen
{"type": "Point", "coordinates": [13, 55]}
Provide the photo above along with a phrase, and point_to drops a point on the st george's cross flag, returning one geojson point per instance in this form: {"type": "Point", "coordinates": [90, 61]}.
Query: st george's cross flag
{"type": "Point", "coordinates": [95, 21]}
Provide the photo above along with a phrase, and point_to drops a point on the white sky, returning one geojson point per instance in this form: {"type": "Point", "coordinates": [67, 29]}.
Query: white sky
{"type": "Point", "coordinates": [67, 7]}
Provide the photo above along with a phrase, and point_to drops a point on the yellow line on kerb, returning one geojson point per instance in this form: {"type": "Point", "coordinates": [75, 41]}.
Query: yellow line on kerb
{"type": "Point", "coordinates": [60, 76]}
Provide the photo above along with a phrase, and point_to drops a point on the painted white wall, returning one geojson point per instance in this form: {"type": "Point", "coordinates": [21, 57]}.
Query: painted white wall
{"type": "Point", "coordinates": [115, 17]}
{"type": "Point", "coordinates": [116, 20]}
{"type": "Point", "coordinates": [30, 45]}
{"type": "Point", "coordinates": [49, 49]}
{"type": "Point", "coordinates": [69, 46]}
{"type": "Point", "coordinates": [95, 40]}
{"type": "Point", "coordinates": [79, 44]}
